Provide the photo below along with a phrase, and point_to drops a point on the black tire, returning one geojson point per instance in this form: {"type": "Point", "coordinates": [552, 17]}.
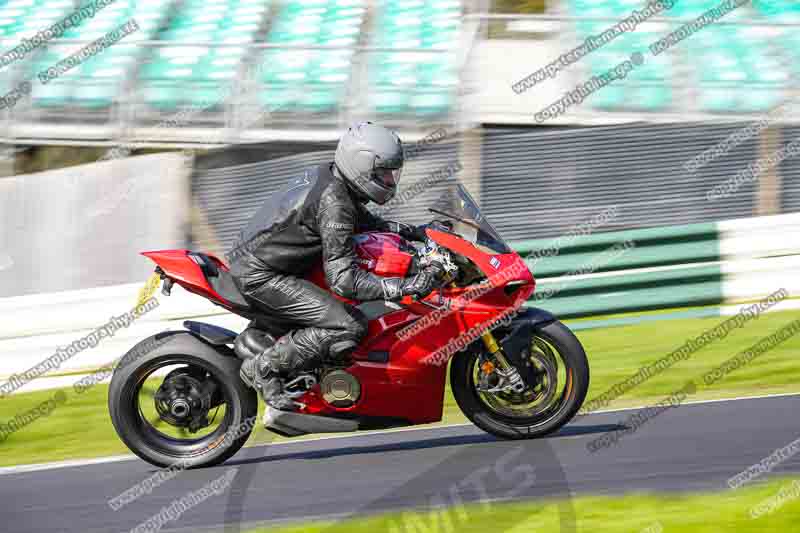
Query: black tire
{"type": "Point", "coordinates": [181, 347]}
{"type": "Point", "coordinates": [477, 411]}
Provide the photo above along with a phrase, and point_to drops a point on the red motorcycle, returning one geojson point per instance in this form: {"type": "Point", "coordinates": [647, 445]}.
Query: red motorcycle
{"type": "Point", "coordinates": [515, 371]}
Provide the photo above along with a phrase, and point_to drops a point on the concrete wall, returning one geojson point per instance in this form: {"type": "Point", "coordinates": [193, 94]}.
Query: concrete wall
{"type": "Point", "coordinates": [84, 226]}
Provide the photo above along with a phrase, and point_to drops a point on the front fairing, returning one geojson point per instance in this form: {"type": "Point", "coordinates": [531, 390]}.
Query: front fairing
{"type": "Point", "coordinates": [499, 269]}
{"type": "Point", "coordinates": [475, 238]}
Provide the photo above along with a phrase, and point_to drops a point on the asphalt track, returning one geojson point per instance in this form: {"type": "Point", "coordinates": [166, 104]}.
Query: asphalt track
{"type": "Point", "coordinates": [688, 448]}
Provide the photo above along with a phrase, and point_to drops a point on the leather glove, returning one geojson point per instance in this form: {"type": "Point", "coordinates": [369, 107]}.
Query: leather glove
{"type": "Point", "coordinates": [406, 231]}
{"type": "Point", "coordinates": [417, 233]}
{"type": "Point", "coordinates": [409, 232]}
{"type": "Point", "coordinates": [419, 285]}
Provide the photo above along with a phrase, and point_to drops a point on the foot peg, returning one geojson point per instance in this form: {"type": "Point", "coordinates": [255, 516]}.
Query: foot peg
{"type": "Point", "coordinates": [299, 386]}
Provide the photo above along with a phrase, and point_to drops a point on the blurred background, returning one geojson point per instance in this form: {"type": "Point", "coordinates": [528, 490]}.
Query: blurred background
{"type": "Point", "coordinates": [661, 203]}
{"type": "Point", "coordinates": [175, 135]}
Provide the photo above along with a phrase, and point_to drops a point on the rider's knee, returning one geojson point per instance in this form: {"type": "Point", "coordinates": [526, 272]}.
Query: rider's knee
{"type": "Point", "coordinates": [355, 329]}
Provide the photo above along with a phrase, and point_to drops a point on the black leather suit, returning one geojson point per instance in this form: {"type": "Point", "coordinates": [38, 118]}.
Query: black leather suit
{"type": "Point", "coordinates": [312, 218]}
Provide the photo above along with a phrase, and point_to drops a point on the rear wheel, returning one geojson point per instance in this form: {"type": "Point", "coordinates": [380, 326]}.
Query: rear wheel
{"type": "Point", "coordinates": [183, 401]}
{"type": "Point", "coordinates": [563, 380]}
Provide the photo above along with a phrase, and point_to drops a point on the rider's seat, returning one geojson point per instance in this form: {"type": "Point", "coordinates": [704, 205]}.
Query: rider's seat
{"type": "Point", "coordinates": [220, 280]}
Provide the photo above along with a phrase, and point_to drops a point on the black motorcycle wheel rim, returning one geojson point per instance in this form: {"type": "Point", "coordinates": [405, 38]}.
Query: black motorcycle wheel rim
{"type": "Point", "coordinates": [152, 432]}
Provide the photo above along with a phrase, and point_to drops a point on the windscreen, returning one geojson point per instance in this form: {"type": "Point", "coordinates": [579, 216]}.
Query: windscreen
{"type": "Point", "coordinates": [458, 207]}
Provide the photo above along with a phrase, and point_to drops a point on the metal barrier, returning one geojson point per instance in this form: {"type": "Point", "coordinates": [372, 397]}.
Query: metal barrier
{"type": "Point", "coordinates": [667, 267]}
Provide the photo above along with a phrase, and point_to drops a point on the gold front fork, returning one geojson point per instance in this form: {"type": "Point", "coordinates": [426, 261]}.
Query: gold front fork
{"type": "Point", "coordinates": [491, 345]}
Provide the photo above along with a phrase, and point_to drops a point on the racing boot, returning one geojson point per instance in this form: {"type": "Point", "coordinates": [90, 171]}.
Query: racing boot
{"type": "Point", "coordinates": [264, 373]}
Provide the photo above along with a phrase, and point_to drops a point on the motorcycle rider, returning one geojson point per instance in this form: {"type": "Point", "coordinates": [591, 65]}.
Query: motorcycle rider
{"type": "Point", "coordinates": [313, 218]}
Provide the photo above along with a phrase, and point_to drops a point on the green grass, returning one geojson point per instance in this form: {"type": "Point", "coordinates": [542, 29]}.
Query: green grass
{"type": "Point", "coordinates": [81, 428]}
{"type": "Point", "coordinates": [617, 353]}
{"type": "Point", "coordinates": [717, 512]}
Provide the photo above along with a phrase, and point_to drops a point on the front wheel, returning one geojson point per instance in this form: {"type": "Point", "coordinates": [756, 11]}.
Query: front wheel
{"type": "Point", "coordinates": [561, 388]}
{"type": "Point", "coordinates": [181, 402]}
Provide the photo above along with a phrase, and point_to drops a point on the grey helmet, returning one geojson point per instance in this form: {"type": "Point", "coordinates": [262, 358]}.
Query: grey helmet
{"type": "Point", "coordinates": [370, 158]}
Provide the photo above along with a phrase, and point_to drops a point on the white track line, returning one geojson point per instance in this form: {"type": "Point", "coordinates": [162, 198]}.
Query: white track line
{"type": "Point", "coordinates": [6, 470]}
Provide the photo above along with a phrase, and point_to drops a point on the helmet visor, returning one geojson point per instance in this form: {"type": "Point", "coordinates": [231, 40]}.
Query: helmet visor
{"type": "Point", "coordinates": [388, 177]}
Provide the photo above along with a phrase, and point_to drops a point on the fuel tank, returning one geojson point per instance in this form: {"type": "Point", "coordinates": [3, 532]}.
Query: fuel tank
{"type": "Point", "coordinates": [384, 254]}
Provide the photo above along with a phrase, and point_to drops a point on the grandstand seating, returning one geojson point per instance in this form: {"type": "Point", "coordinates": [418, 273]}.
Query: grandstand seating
{"type": "Point", "coordinates": [728, 68]}
{"type": "Point", "coordinates": [737, 75]}
{"type": "Point", "coordinates": [778, 10]}
{"type": "Point", "coordinates": [783, 11]}
{"type": "Point", "coordinates": [719, 69]}
{"type": "Point", "coordinates": [311, 80]}
{"type": "Point", "coordinates": [98, 80]}
{"type": "Point", "coordinates": [291, 77]}
{"type": "Point", "coordinates": [202, 76]}
{"type": "Point", "coordinates": [422, 83]}
{"type": "Point", "coordinates": [645, 89]}
{"type": "Point", "coordinates": [734, 68]}
{"type": "Point", "coordinates": [23, 19]}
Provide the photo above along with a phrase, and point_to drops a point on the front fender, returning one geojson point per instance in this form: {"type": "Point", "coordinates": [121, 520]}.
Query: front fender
{"type": "Point", "coordinates": [517, 340]}
{"type": "Point", "coordinates": [533, 316]}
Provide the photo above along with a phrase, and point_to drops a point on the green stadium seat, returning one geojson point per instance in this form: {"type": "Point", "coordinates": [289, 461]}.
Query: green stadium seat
{"type": "Point", "coordinates": [689, 9]}
{"type": "Point", "coordinates": [734, 68]}
{"type": "Point", "coordinates": [54, 94]}
{"type": "Point", "coordinates": [779, 10]}
{"type": "Point", "coordinates": [178, 75]}
{"type": "Point", "coordinates": [761, 101]}
{"type": "Point", "coordinates": [311, 80]}
{"type": "Point", "coordinates": [604, 8]}
{"type": "Point", "coordinates": [23, 18]}
{"type": "Point", "coordinates": [279, 96]}
{"type": "Point", "coordinates": [321, 98]}
{"type": "Point", "coordinates": [389, 101]}
{"type": "Point", "coordinates": [419, 83]}
{"type": "Point", "coordinates": [725, 100]}
{"type": "Point", "coordinates": [97, 81]}
{"type": "Point", "coordinates": [735, 74]}
{"type": "Point", "coordinates": [646, 88]}
{"type": "Point", "coordinates": [431, 101]}
{"type": "Point", "coordinates": [632, 98]}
